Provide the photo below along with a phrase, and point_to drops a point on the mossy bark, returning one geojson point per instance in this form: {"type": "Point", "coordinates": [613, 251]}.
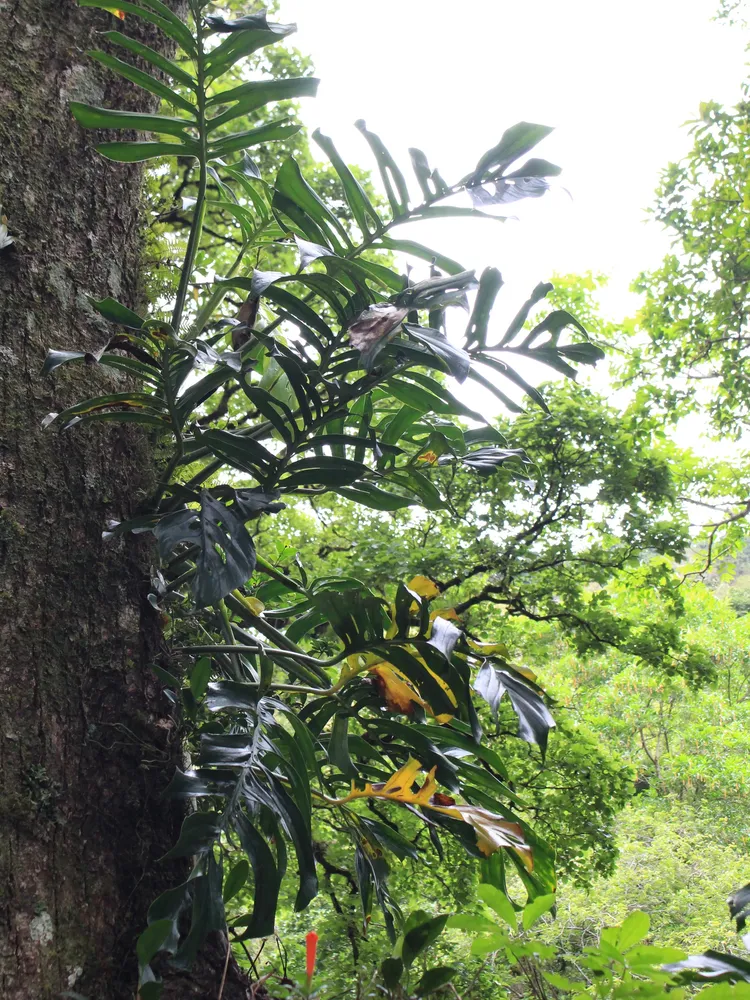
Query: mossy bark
{"type": "Point", "coordinates": [87, 741]}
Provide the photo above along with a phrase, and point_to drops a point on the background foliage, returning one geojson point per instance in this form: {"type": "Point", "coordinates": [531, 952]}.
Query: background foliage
{"type": "Point", "coordinates": [355, 567]}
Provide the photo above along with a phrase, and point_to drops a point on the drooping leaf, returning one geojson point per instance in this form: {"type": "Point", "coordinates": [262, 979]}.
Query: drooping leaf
{"type": "Point", "coordinates": [515, 142]}
{"type": "Point", "coordinates": [391, 970]}
{"type": "Point", "coordinates": [197, 836]}
{"type": "Point", "coordinates": [152, 939]}
{"type": "Point", "coordinates": [534, 718]}
{"type": "Point", "coordinates": [393, 179]}
{"type": "Point", "coordinates": [499, 902]}
{"type": "Point", "coordinates": [458, 360]}
{"type": "Point", "coordinates": [419, 938]}
{"type": "Point", "coordinates": [489, 285]}
{"type": "Point", "coordinates": [226, 557]}
{"type": "Point", "coordinates": [362, 209]}
{"type": "Point", "coordinates": [373, 328]}
{"type": "Point", "coordinates": [235, 880]}
{"type": "Point", "coordinates": [543, 904]}
{"type": "Point", "coordinates": [433, 979]}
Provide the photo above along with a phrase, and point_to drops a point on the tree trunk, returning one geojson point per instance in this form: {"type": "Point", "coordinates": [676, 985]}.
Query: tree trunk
{"type": "Point", "coordinates": [87, 741]}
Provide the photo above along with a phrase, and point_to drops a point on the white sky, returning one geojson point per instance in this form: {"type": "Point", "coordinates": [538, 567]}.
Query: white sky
{"type": "Point", "coordinates": [617, 80]}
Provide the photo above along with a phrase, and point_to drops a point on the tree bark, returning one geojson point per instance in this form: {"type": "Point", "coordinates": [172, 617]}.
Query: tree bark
{"type": "Point", "coordinates": [87, 740]}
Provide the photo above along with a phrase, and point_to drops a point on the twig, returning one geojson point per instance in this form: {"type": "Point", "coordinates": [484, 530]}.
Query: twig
{"type": "Point", "coordinates": [226, 967]}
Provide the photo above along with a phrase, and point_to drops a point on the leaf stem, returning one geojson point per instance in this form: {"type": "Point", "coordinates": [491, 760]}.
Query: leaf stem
{"type": "Point", "coordinates": [199, 212]}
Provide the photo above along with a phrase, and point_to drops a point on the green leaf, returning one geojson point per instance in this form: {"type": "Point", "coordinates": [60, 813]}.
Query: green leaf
{"type": "Point", "coordinates": [208, 913]}
{"type": "Point", "coordinates": [243, 41]}
{"type": "Point", "coordinates": [365, 493]}
{"type": "Point", "coordinates": [471, 923]}
{"type": "Point", "coordinates": [183, 35]}
{"type": "Point", "coordinates": [248, 97]}
{"type": "Point", "coordinates": [458, 360]}
{"type": "Point", "coordinates": [534, 718]}
{"type": "Point", "coordinates": [155, 58]}
{"type": "Point", "coordinates": [235, 880]}
{"type": "Point", "coordinates": [115, 312]}
{"type": "Point", "coordinates": [144, 80]}
{"type": "Point", "coordinates": [433, 979]}
{"type": "Point", "coordinates": [486, 945]}
{"type": "Point", "coordinates": [197, 836]}
{"type": "Point", "coordinates": [322, 470]}
{"type": "Point", "coordinates": [152, 939]}
{"type": "Point", "coordinates": [393, 179]}
{"type": "Point", "coordinates": [223, 695]}
{"type": "Point", "coordinates": [489, 285]}
{"type": "Point", "coordinates": [253, 137]}
{"type": "Point", "coordinates": [541, 291]}
{"type": "Point", "coordinates": [200, 676]}
{"type": "Point", "coordinates": [565, 984]}
{"type": "Point", "coordinates": [584, 354]}
{"type": "Point", "coordinates": [239, 451]}
{"type": "Point", "coordinates": [536, 909]}
{"type": "Point", "coordinates": [633, 929]}
{"type": "Point", "coordinates": [266, 879]}
{"type": "Point", "coordinates": [130, 401]}
{"type": "Point", "coordinates": [146, 991]}
{"type": "Point", "coordinates": [338, 746]}
{"type": "Point", "coordinates": [160, 15]}
{"type": "Point", "coordinates": [515, 142]}
{"type": "Point", "coordinates": [423, 253]}
{"type": "Point", "coordinates": [421, 937]}
{"type": "Point", "coordinates": [136, 152]}
{"type": "Point", "coordinates": [391, 970]}
{"type": "Point", "coordinates": [292, 186]}
{"type": "Point", "coordinates": [499, 902]}
{"type": "Point", "coordinates": [226, 559]}
{"type": "Point", "coordinates": [652, 955]}
{"type": "Point", "coordinates": [92, 117]}
{"type": "Point", "coordinates": [361, 207]}
{"type": "Point", "coordinates": [56, 358]}
{"type": "Point", "coordinates": [115, 416]}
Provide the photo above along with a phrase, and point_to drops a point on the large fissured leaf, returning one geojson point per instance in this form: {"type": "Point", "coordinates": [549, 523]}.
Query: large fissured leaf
{"type": "Point", "coordinates": [227, 555]}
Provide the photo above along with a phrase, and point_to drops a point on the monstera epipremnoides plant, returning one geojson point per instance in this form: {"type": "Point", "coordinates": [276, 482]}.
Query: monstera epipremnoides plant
{"type": "Point", "coordinates": [343, 366]}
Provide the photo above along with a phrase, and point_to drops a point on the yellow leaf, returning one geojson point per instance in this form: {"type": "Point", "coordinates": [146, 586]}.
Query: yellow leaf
{"type": "Point", "coordinates": [489, 648]}
{"type": "Point", "coordinates": [398, 787]}
{"type": "Point", "coordinates": [423, 587]}
{"type": "Point", "coordinates": [449, 613]}
{"type": "Point", "coordinates": [428, 456]}
{"type": "Point", "coordinates": [355, 664]}
{"type": "Point", "coordinates": [400, 694]}
{"type": "Point", "coordinates": [393, 627]}
{"type": "Point", "coordinates": [492, 831]}
{"type": "Point", "coordinates": [252, 604]}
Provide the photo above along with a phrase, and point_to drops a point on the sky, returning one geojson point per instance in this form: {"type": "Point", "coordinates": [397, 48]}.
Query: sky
{"type": "Point", "coordinates": [616, 80]}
